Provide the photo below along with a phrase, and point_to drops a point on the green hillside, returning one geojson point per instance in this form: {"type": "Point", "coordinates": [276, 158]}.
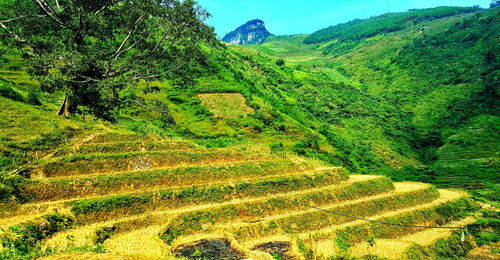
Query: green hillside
{"type": "Point", "coordinates": [412, 96]}
{"type": "Point", "coordinates": [438, 83]}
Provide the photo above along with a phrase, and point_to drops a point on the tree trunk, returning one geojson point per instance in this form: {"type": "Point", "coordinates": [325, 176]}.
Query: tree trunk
{"type": "Point", "coordinates": [65, 107]}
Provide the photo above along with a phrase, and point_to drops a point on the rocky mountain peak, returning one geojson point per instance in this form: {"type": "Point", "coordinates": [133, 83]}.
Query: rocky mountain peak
{"type": "Point", "coordinates": [252, 32]}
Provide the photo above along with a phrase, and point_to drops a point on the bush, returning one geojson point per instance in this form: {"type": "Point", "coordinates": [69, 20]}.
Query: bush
{"type": "Point", "coordinates": [276, 147]}
{"type": "Point", "coordinates": [8, 92]}
{"type": "Point", "coordinates": [280, 62]}
{"type": "Point", "coordinates": [11, 186]}
{"type": "Point", "coordinates": [34, 99]}
{"type": "Point", "coordinates": [24, 239]}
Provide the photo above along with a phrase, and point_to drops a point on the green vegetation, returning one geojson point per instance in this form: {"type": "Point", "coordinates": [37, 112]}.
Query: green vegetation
{"type": "Point", "coordinates": [24, 240]}
{"type": "Point", "coordinates": [106, 184]}
{"type": "Point", "coordinates": [198, 221]}
{"type": "Point", "coordinates": [413, 96]}
{"type": "Point", "coordinates": [91, 51]}
{"type": "Point", "coordinates": [348, 33]}
{"type": "Point", "coordinates": [93, 209]}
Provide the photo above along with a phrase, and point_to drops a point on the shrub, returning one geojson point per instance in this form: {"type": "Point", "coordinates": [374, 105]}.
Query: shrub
{"type": "Point", "coordinates": [8, 92]}
{"type": "Point", "coordinates": [34, 99]}
{"type": "Point", "coordinates": [24, 239]}
{"type": "Point", "coordinates": [11, 186]}
{"type": "Point", "coordinates": [276, 147]}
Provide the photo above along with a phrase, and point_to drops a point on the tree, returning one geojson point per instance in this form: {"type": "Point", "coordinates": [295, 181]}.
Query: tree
{"type": "Point", "coordinates": [280, 62]}
{"type": "Point", "coordinates": [495, 3]}
{"type": "Point", "coordinates": [91, 49]}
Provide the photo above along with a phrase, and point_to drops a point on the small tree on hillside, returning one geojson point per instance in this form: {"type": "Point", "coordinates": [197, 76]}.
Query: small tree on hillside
{"type": "Point", "coordinates": [91, 49]}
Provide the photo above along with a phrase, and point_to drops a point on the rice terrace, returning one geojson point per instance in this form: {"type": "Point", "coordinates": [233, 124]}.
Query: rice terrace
{"type": "Point", "coordinates": [181, 129]}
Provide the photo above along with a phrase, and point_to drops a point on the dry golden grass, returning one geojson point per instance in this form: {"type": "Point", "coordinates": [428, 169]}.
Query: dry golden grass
{"type": "Point", "coordinates": [25, 215]}
{"type": "Point", "coordinates": [323, 241]}
{"type": "Point", "coordinates": [327, 233]}
{"type": "Point", "coordinates": [226, 105]}
{"type": "Point", "coordinates": [96, 256]}
{"type": "Point", "coordinates": [80, 237]}
{"type": "Point", "coordinates": [144, 242]}
{"type": "Point", "coordinates": [395, 248]}
{"type": "Point", "coordinates": [400, 188]}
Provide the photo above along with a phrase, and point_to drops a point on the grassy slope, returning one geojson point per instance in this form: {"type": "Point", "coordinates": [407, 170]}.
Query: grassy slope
{"type": "Point", "coordinates": [329, 107]}
{"type": "Point", "coordinates": [360, 110]}
{"type": "Point", "coordinates": [469, 147]}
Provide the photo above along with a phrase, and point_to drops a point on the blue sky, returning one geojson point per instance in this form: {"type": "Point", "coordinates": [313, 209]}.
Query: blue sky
{"type": "Point", "coordinates": [306, 16]}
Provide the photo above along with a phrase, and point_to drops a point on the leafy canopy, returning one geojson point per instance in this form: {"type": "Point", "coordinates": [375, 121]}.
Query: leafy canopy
{"type": "Point", "coordinates": [91, 49]}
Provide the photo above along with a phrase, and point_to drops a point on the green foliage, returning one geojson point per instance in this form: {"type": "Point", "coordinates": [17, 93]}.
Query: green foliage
{"type": "Point", "coordinates": [191, 195]}
{"type": "Point", "coordinates": [276, 148]}
{"type": "Point", "coordinates": [106, 46]}
{"type": "Point", "coordinates": [451, 248]}
{"type": "Point", "coordinates": [306, 251]}
{"type": "Point", "coordinates": [280, 62]}
{"type": "Point", "coordinates": [342, 241]}
{"type": "Point", "coordinates": [11, 186]}
{"type": "Point", "coordinates": [7, 91]}
{"type": "Point", "coordinates": [489, 222]}
{"type": "Point", "coordinates": [23, 241]}
{"type": "Point", "coordinates": [102, 234]}
{"type": "Point", "coordinates": [391, 22]}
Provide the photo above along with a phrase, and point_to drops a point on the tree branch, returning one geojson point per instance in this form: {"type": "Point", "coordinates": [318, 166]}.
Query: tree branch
{"type": "Point", "coordinates": [159, 74]}
{"type": "Point", "coordinates": [22, 17]}
{"type": "Point", "coordinates": [49, 11]}
{"type": "Point", "coordinates": [160, 42]}
{"type": "Point", "coordinates": [117, 53]}
{"type": "Point", "coordinates": [16, 37]}
{"type": "Point", "coordinates": [125, 50]}
{"type": "Point", "coordinates": [100, 10]}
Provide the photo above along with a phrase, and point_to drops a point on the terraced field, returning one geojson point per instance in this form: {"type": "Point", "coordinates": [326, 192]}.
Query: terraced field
{"type": "Point", "coordinates": [125, 197]}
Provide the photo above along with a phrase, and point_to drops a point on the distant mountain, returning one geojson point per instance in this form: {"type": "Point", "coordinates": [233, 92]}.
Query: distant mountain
{"type": "Point", "coordinates": [252, 32]}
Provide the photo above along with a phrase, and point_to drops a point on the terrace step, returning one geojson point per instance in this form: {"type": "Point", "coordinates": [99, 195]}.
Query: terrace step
{"type": "Point", "coordinates": [161, 217]}
{"type": "Point", "coordinates": [137, 161]}
{"type": "Point", "coordinates": [205, 221]}
{"type": "Point", "coordinates": [111, 137]}
{"type": "Point", "coordinates": [129, 146]}
{"type": "Point", "coordinates": [133, 203]}
{"type": "Point", "coordinates": [404, 195]}
{"type": "Point", "coordinates": [396, 248]}
{"type": "Point", "coordinates": [325, 239]}
{"type": "Point", "coordinates": [321, 240]}
{"type": "Point", "coordinates": [126, 182]}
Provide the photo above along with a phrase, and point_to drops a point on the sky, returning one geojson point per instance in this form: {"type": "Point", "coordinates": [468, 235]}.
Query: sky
{"type": "Point", "coordinates": [287, 17]}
